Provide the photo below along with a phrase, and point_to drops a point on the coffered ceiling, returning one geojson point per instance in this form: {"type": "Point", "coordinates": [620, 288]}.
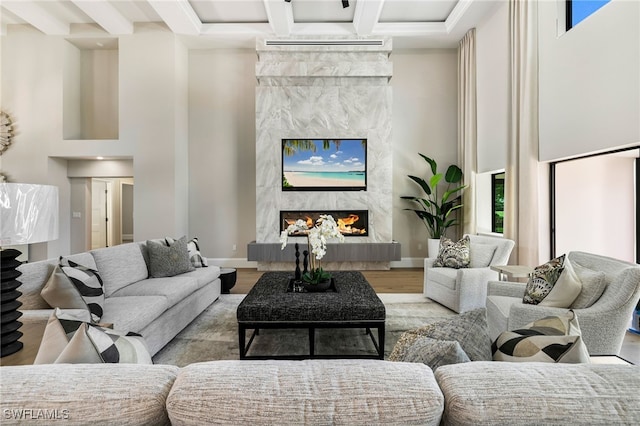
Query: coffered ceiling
{"type": "Point", "coordinates": [236, 23]}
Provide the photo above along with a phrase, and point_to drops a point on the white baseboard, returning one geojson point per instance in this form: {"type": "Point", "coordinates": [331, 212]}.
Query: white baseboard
{"type": "Point", "coordinates": [237, 262]}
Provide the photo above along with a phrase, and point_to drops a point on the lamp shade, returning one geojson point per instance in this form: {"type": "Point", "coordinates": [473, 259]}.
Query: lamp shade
{"type": "Point", "coordinates": [28, 213]}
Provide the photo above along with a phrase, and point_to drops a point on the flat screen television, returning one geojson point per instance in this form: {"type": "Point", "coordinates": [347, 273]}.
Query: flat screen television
{"type": "Point", "coordinates": [324, 164]}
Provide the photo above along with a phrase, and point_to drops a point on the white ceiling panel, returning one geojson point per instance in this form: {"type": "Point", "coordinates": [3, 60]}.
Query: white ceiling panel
{"type": "Point", "coordinates": [234, 23]}
{"type": "Point", "coordinates": [322, 11]}
{"type": "Point", "coordinates": [416, 10]}
{"type": "Point", "coordinates": [223, 11]}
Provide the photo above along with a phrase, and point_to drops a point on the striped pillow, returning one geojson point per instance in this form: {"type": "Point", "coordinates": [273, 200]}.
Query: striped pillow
{"type": "Point", "coordinates": [73, 286]}
{"type": "Point", "coordinates": [88, 283]}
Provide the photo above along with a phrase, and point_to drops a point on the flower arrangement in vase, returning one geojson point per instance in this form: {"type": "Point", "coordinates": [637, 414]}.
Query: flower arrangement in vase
{"type": "Point", "coordinates": [324, 229]}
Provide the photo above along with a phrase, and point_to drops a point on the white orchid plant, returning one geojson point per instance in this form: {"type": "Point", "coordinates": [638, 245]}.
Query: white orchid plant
{"type": "Point", "coordinates": [317, 236]}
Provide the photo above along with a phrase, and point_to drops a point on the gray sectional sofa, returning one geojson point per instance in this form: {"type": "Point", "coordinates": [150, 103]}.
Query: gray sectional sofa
{"type": "Point", "coordinates": [156, 308]}
{"type": "Point", "coordinates": [322, 392]}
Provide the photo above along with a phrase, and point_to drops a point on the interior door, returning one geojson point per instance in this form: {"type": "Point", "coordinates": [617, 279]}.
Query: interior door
{"type": "Point", "coordinates": [100, 213]}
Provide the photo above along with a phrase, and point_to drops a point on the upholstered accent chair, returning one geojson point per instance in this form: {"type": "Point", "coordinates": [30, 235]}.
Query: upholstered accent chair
{"type": "Point", "coordinates": [465, 289]}
{"type": "Point", "coordinates": [610, 292]}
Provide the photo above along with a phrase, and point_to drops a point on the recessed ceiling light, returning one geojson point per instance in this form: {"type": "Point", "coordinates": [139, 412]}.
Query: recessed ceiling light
{"type": "Point", "coordinates": [99, 158]}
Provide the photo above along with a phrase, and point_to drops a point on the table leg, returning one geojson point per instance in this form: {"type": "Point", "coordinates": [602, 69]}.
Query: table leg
{"type": "Point", "coordinates": [381, 341]}
{"type": "Point", "coordinates": [241, 341]}
{"type": "Point", "coordinates": [312, 340]}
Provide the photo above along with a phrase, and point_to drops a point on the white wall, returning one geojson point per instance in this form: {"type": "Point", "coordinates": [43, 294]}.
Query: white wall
{"type": "Point", "coordinates": [595, 206]}
{"type": "Point", "coordinates": [222, 153]}
{"type": "Point", "coordinates": [424, 121]}
{"type": "Point", "coordinates": [589, 81]}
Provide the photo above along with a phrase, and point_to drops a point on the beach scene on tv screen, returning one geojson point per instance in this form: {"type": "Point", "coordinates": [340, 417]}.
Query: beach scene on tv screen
{"type": "Point", "coordinates": [324, 163]}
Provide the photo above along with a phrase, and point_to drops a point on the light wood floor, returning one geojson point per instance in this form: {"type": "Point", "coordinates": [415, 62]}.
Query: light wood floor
{"type": "Point", "coordinates": [409, 280]}
{"type": "Point", "coordinates": [405, 280]}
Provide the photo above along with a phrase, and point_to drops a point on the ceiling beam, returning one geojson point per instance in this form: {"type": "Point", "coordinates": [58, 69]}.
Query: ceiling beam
{"type": "Point", "coordinates": [37, 16]}
{"type": "Point", "coordinates": [280, 15]}
{"type": "Point", "coordinates": [411, 29]}
{"type": "Point", "coordinates": [457, 13]}
{"type": "Point", "coordinates": [179, 16]}
{"type": "Point", "coordinates": [105, 15]}
{"type": "Point", "coordinates": [366, 16]}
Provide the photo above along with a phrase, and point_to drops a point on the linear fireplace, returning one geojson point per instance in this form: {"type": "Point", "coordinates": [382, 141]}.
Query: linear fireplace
{"type": "Point", "coordinates": [352, 223]}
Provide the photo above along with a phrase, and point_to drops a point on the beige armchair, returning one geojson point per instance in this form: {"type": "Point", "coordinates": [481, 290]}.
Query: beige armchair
{"type": "Point", "coordinates": [465, 289]}
{"type": "Point", "coordinates": [613, 290]}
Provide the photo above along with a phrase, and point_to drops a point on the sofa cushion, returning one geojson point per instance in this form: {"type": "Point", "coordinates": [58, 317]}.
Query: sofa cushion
{"type": "Point", "coordinates": [203, 275]}
{"type": "Point", "coordinates": [94, 344]}
{"type": "Point", "coordinates": [542, 280]}
{"type": "Point", "coordinates": [305, 392]}
{"type": "Point", "coordinates": [453, 255]}
{"type": "Point", "coordinates": [174, 289]}
{"type": "Point", "coordinates": [446, 277]}
{"type": "Point", "coordinates": [480, 255]}
{"type": "Point", "coordinates": [433, 352]}
{"type": "Point", "coordinates": [550, 339]}
{"type": "Point", "coordinates": [469, 329]}
{"type": "Point", "coordinates": [505, 393]}
{"type": "Point", "coordinates": [168, 261]}
{"type": "Point", "coordinates": [61, 327]}
{"type": "Point", "coordinates": [133, 313]}
{"type": "Point", "coordinates": [120, 266]}
{"type": "Point", "coordinates": [593, 285]}
{"type": "Point", "coordinates": [89, 394]}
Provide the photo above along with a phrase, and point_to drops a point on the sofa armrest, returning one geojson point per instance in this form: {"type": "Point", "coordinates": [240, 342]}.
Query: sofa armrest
{"type": "Point", "coordinates": [472, 283]}
{"type": "Point", "coordinates": [506, 288]}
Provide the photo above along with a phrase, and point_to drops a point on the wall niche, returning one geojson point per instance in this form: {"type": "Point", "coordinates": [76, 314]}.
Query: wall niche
{"type": "Point", "coordinates": [91, 89]}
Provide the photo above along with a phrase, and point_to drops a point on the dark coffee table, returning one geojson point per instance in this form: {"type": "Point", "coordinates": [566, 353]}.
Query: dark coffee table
{"type": "Point", "coordinates": [354, 304]}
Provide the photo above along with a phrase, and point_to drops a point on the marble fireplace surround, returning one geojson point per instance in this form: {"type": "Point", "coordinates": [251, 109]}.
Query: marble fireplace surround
{"type": "Point", "coordinates": [324, 88]}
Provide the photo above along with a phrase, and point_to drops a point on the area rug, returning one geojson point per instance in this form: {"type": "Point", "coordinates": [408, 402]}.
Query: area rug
{"type": "Point", "coordinates": [214, 334]}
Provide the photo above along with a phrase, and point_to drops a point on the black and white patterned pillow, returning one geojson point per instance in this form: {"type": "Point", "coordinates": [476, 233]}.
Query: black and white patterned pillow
{"type": "Point", "coordinates": [89, 285]}
{"type": "Point", "coordinates": [95, 344]}
{"type": "Point", "coordinates": [550, 339]}
{"type": "Point", "coordinates": [542, 280]}
{"type": "Point", "coordinates": [454, 255]}
{"type": "Point", "coordinates": [193, 248]}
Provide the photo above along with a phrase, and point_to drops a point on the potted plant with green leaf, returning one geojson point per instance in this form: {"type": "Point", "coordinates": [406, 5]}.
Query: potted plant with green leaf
{"type": "Point", "coordinates": [436, 206]}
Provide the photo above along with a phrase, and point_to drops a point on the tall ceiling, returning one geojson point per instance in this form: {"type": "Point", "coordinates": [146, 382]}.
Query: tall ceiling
{"type": "Point", "coordinates": [236, 23]}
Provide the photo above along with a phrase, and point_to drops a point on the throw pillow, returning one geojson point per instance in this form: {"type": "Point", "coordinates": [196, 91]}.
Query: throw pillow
{"type": "Point", "coordinates": [168, 261]}
{"type": "Point", "coordinates": [194, 252]}
{"type": "Point", "coordinates": [94, 344]}
{"type": "Point", "coordinates": [61, 327]}
{"type": "Point", "coordinates": [566, 289]}
{"type": "Point", "coordinates": [550, 339]}
{"type": "Point", "coordinates": [469, 329]}
{"type": "Point", "coordinates": [542, 280]}
{"type": "Point", "coordinates": [453, 255]}
{"type": "Point", "coordinates": [432, 352]}
{"type": "Point", "coordinates": [73, 286]}
{"type": "Point", "coordinates": [593, 285]}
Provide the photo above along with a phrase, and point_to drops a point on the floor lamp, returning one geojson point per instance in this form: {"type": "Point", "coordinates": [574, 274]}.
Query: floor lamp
{"type": "Point", "coordinates": [28, 215]}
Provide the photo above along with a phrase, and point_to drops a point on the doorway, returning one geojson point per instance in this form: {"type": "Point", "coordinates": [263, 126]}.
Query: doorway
{"type": "Point", "coordinates": [101, 213]}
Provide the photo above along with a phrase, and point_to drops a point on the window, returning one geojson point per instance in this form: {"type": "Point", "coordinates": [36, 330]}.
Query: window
{"type": "Point", "coordinates": [497, 202]}
{"type": "Point", "coordinates": [578, 10]}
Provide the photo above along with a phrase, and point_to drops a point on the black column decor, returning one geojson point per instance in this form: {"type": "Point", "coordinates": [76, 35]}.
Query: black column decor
{"type": "Point", "coordinates": [297, 275]}
{"type": "Point", "coordinates": [9, 303]}
{"type": "Point", "coordinates": [305, 262]}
